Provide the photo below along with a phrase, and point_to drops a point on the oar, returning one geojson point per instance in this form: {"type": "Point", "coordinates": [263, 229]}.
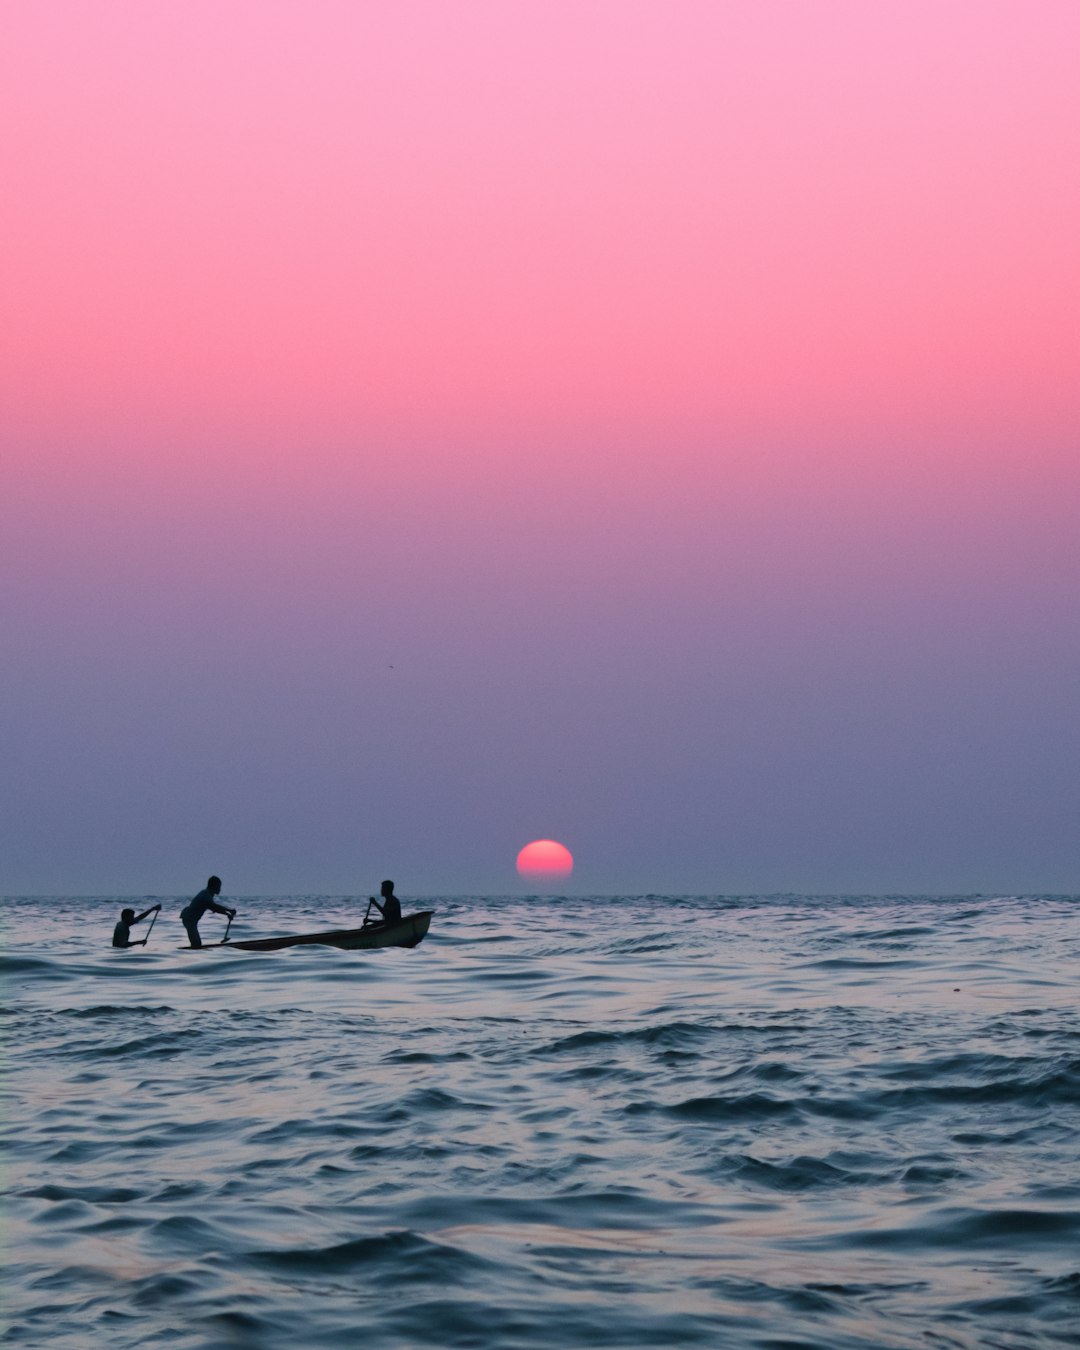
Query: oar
{"type": "Point", "coordinates": [367, 911]}
{"type": "Point", "coordinates": [227, 927]}
{"type": "Point", "coordinates": [153, 921]}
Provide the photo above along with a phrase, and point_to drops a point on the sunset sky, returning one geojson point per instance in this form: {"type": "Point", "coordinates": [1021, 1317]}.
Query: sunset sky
{"type": "Point", "coordinates": [430, 426]}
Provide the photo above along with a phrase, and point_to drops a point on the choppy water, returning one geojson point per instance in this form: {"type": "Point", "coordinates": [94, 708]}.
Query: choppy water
{"type": "Point", "coordinates": [782, 1123]}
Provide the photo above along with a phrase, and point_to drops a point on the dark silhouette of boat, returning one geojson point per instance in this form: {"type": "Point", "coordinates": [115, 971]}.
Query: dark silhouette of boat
{"type": "Point", "coordinates": [407, 931]}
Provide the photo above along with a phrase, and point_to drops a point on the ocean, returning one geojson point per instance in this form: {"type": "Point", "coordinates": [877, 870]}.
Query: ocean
{"type": "Point", "coordinates": [782, 1122]}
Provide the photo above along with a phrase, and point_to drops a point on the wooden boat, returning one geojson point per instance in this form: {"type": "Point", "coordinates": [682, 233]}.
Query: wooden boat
{"type": "Point", "coordinates": [409, 930]}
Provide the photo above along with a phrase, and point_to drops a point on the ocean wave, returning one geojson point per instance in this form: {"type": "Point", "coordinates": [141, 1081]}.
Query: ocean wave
{"type": "Point", "coordinates": [404, 1256]}
{"type": "Point", "coordinates": [666, 1036]}
{"type": "Point", "coordinates": [1013, 1230]}
{"type": "Point", "coordinates": [771, 1123]}
{"type": "Point", "coordinates": [720, 1108]}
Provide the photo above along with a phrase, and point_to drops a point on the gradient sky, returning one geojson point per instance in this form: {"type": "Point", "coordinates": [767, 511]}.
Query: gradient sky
{"type": "Point", "coordinates": [429, 426]}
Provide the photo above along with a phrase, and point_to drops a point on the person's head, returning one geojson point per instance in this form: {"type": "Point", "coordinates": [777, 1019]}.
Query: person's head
{"type": "Point", "coordinates": [128, 916]}
{"type": "Point", "coordinates": [214, 885]}
{"type": "Point", "coordinates": [387, 888]}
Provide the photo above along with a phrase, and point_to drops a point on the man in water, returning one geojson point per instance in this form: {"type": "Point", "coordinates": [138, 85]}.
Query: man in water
{"type": "Point", "coordinates": [390, 908]}
{"type": "Point", "coordinates": [195, 909]}
{"type": "Point", "coordinates": [121, 934]}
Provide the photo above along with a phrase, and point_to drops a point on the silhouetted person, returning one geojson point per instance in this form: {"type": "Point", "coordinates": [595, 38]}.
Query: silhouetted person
{"type": "Point", "coordinates": [121, 934]}
{"type": "Point", "coordinates": [195, 909]}
{"type": "Point", "coordinates": [390, 908]}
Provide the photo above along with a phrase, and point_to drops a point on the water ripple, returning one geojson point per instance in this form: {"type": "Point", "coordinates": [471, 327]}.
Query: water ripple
{"type": "Point", "coordinates": [753, 1122]}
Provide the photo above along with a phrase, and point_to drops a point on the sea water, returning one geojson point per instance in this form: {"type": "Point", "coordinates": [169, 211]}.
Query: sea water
{"type": "Point", "coordinates": [644, 1121]}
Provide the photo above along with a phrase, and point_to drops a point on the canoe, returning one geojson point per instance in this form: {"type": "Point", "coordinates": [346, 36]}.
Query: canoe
{"type": "Point", "coordinates": [406, 932]}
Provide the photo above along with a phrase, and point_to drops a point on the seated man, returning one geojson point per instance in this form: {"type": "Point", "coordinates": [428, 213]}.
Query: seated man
{"type": "Point", "coordinates": [121, 936]}
{"type": "Point", "coordinates": [390, 908]}
{"type": "Point", "coordinates": [195, 909]}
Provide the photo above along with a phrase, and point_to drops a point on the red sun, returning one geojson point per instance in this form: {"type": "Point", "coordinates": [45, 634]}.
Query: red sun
{"type": "Point", "coordinates": [545, 860]}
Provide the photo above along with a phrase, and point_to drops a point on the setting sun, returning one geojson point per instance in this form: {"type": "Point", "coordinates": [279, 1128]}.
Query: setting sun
{"type": "Point", "coordinates": [545, 860]}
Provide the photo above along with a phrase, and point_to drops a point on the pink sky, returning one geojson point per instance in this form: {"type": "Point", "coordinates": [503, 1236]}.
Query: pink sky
{"type": "Point", "coordinates": [583, 309]}
{"type": "Point", "coordinates": [357, 217]}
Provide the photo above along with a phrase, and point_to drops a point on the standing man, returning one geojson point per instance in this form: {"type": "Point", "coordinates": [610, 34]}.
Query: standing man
{"type": "Point", "coordinates": [195, 909]}
{"type": "Point", "coordinates": [121, 936]}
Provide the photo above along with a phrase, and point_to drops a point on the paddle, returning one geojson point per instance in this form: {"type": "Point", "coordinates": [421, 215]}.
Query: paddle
{"type": "Point", "coordinates": [227, 927]}
{"type": "Point", "coordinates": [153, 921]}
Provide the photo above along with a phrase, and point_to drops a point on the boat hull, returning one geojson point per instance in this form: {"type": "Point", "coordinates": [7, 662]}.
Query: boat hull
{"type": "Point", "coordinates": [406, 932]}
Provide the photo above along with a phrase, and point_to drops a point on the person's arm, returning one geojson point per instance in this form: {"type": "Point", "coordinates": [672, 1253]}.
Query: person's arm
{"type": "Point", "coordinates": [377, 905]}
{"type": "Point", "coordinates": [222, 909]}
{"type": "Point", "coordinates": [139, 918]}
